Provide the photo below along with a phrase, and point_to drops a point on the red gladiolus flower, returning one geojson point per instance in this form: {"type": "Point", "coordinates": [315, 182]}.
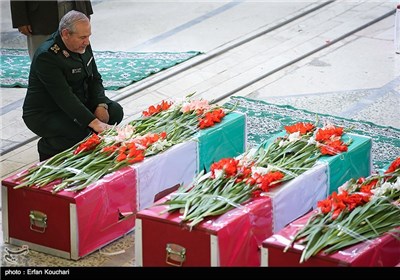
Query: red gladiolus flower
{"type": "Point", "coordinates": [228, 165]}
{"type": "Point", "coordinates": [152, 110]}
{"type": "Point", "coordinates": [251, 181]}
{"type": "Point", "coordinates": [325, 134]}
{"type": "Point", "coordinates": [361, 180]}
{"type": "Point", "coordinates": [265, 181]}
{"type": "Point", "coordinates": [89, 144]}
{"type": "Point", "coordinates": [256, 193]}
{"type": "Point", "coordinates": [121, 157]}
{"type": "Point", "coordinates": [137, 158]}
{"type": "Point", "coordinates": [325, 205]}
{"type": "Point", "coordinates": [368, 187]}
{"type": "Point", "coordinates": [110, 149]}
{"type": "Point", "coordinates": [333, 147]}
{"type": "Point", "coordinates": [393, 166]}
{"type": "Point", "coordinates": [211, 118]}
{"type": "Point", "coordinates": [301, 127]}
{"type": "Point", "coordinates": [354, 200]}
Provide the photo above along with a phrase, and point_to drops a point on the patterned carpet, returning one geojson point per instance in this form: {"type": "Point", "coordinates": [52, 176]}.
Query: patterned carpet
{"type": "Point", "coordinates": [265, 119]}
{"type": "Point", "coordinates": [118, 69]}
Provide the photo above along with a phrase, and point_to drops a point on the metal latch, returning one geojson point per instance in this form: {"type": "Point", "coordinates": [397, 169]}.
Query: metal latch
{"type": "Point", "coordinates": [176, 254]}
{"type": "Point", "coordinates": [38, 221]}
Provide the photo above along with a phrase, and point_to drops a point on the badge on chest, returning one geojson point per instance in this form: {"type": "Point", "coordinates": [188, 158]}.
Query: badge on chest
{"type": "Point", "coordinates": [76, 70]}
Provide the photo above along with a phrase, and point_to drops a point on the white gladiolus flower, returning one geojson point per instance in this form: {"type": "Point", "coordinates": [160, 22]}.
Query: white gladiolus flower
{"type": "Point", "coordinates": [260, 170]}
{"type": "Point", "coordinates": [219, 173]}
{"type": "Point", "coordinates": [312, 141]}
{"type": "Point", "coordinates": [295, 136]}
{"type": "Point", "coordinates": [160, 145]}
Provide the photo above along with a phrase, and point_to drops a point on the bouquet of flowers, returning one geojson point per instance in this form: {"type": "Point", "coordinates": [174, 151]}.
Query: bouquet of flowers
{"type": "Point", "coordinates": [159, 128]}
{"type": "Point", "coordinates": [233, 181]}
{"type": "Point", "coordinates": [361, 210]}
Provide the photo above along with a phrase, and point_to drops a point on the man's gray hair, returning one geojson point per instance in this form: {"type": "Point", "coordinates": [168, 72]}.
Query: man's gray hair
{"type": "Point", "coordinates": [69, 20]}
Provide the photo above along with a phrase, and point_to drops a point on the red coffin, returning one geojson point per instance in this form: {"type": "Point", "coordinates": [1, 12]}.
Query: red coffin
{"type": "Point", "coordinates": [383, 251]}
{"type": "Point", "coordinates": [232, 239]}
{"type": "Point", "coordinates": [69, 224]}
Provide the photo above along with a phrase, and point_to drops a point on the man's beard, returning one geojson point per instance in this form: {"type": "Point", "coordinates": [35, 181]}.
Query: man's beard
{"type": "Point", "coordinates": [82, 51]}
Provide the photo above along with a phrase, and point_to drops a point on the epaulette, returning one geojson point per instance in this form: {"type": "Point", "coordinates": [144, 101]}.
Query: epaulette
{"type": "Point", "coordinates": [55, 48]}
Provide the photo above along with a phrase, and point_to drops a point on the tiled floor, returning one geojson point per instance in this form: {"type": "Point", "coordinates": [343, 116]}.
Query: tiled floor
{"type": "Point", "coordinates": [316, 63]}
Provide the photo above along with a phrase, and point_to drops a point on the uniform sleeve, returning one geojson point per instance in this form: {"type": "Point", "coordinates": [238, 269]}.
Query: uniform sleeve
{"type": "Point", "coordinates": [50, 73]}
{"type": "Point", "coordinates": [19, 13]}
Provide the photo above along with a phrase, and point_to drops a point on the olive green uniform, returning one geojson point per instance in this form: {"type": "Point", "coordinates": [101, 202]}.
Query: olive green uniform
{"type": "Point", "coordinates": [64, 90]}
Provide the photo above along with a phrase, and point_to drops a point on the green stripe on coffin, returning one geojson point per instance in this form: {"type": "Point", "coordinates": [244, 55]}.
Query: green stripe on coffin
{"type": "Point", "coordinates": [355, 163]}
{"type": "Point", "coordinates": [226, 139]}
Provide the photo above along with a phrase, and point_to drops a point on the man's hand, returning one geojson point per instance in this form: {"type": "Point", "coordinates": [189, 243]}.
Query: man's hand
{"type": "Point", "coordinates": [98, 126]}
{"type": "Point", "coordinates": [25, 29]}
{"type": "Point", "coordinates": [102, 114]}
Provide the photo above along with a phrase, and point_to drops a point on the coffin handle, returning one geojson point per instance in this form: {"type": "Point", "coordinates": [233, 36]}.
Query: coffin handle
{"type": "Point", "coordinates": [176, 254]}
{"type": "Point", "coordinates": [38, 221]}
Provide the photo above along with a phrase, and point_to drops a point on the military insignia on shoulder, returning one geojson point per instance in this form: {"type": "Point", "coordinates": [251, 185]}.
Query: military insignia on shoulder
{"type": "Point", "coordinates": [55, 48]}
{"type": "Point", "coordinates": [65, 53]}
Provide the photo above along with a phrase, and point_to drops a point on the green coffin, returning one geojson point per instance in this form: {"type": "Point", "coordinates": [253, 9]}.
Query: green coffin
{"type": "Point", "coordinates": [226, 139]}
{"type": "Point", "coordinates": [355, 163]}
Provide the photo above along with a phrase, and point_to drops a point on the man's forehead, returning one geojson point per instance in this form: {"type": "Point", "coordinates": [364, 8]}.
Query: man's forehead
{"type": "Point", "coordinates": [83, 29]}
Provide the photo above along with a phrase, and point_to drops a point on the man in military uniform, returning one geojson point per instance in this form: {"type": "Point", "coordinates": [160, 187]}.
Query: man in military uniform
{"type": "Point", "coordinates": [65, 100]}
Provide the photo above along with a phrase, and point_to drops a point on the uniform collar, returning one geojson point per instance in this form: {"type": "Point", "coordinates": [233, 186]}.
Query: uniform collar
{"type": "Point", "coordinates": [59, 47]}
